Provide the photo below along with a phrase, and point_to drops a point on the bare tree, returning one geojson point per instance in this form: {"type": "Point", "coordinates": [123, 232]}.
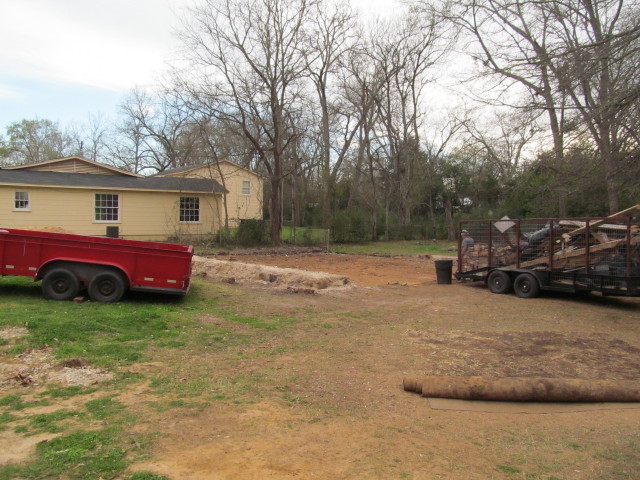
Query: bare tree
{"type": "Point", "coordinates": [404, 55]}
{"type": "Point", "coordinates": [597, 67]}
{"type": "Point", "coordinates": [168, 126]}
{"type": "Point", "coordinates": [512, 42]}
{"type": "Point", "coordinates": [127, 147]}
{"type": "Point", "coordinates": [246, 54]}
{"type": "Point", "coordinates": [576, 59]}
{"type": "Point", "coordinates": [504, 145]}
{"type": "Point", "coordinates": [331, 36]}
{"type": "Point", "coordinates": [89, 139]}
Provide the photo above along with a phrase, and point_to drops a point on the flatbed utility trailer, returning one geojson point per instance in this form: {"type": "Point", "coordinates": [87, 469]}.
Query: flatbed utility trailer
{"type": "Point", "coordinates": [106, 267]}
{"type": "Point", "coordinates": [556, 254]}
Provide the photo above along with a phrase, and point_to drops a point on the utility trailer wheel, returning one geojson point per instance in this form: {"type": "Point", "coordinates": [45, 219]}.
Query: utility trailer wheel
{"type": "Point", "coordinates": [60, 284]}
{"type": "Point", "coordinates": [107, 287]}
{"type": "Point", "coordinates": [526, 286]}
{"type": "Point", "coordinates": [499, 282]}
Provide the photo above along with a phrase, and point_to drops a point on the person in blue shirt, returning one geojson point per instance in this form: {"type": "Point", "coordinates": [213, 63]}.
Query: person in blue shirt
{"type": "Point", "coordinates": [467, 242]}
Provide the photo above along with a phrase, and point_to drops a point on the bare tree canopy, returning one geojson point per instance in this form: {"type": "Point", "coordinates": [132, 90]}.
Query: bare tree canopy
{"type": "Point", "coordinates": [388, 127]}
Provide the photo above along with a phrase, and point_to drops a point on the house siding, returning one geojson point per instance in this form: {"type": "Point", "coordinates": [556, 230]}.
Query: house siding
{"type": "Point", "coordinates": [143, 215]}
{"type": "Point", "coordinates": [239, 206]}
{"type": "Point", "coordinates": [72, 165]}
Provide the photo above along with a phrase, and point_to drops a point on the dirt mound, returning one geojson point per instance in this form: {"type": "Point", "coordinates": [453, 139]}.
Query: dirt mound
{"type": "Point", "coordinates": [287, 278]}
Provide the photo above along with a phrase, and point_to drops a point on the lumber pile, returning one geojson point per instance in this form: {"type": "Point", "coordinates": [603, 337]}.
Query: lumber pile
{"type": "Point", "coordinates": [570, 246]}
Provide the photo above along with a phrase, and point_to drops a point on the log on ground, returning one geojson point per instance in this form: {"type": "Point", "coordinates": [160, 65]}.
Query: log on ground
{"type": "Point", "coordinates": [520, 389]}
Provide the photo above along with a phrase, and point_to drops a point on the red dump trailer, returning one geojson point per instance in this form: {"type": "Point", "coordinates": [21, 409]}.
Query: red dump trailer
{"type": "Point", "coordinates": [106, 267]}
{"type": "Point", "coordinates": [557, 254]}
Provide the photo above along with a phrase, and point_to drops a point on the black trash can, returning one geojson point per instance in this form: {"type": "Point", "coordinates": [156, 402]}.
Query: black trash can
{"type": "Point", "coordinates": [443, 271]}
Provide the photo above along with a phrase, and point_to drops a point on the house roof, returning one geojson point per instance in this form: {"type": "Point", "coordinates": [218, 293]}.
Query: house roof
{"type": "Point", "coordinates": [175, 171]}
{"type": "Point", "coordinates": [52, 164]}
{"type": "Point", "coordinates": [112, 182]}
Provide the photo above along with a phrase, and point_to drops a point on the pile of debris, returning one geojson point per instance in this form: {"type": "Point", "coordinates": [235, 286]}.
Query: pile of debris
{"type": "Point", "coordinates": [289, 279]}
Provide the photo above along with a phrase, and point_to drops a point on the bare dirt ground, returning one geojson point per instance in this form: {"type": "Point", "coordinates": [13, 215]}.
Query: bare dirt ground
{"type": "Point", "coordinates": [362, 270]}
{"type": "Point", "coordinates": [323, 397]}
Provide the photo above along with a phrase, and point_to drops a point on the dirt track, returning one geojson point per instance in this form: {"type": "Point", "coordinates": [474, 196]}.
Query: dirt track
{"type": "Point", "coordinates": [362, 270]}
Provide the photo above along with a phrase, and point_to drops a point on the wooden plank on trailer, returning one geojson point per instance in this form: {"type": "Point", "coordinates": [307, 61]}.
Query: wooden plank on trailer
{"type": "Point", "coordinates": [570, 254]}
{"type": "Point", "coordinates": [602, 221]}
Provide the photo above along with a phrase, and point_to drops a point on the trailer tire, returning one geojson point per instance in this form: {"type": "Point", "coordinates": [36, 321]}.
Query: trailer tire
{"type": "Point", "coordinates": [60, 284]}
{"type": "Point", "coordinates": [526, 286]}
{"type": "Point", "coordinates": [107, 287]}
{"type": "Point", "coordinates": [499, 282]}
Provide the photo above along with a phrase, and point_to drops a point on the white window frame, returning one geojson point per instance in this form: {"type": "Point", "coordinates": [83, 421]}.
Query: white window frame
{"type": "Point", "coordinates": [106, 207]}
{"type": "Point", "coordinates": [246, 188]}
{"type": "Point", "coordinates": [20, 197]}
{"type": "Point", "coordinates": [189, 208]}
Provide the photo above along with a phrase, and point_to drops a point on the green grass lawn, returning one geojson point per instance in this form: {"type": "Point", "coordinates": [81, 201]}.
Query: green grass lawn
{"type": "Point", "coordinates": [398, 247]}
{"type": "Point", "coordinates": [405, 247]}
{"type": "Point", "coordinates": [92, 439]}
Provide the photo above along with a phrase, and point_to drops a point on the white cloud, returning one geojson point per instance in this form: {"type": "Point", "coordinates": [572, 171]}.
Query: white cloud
{"type": "Point", "coordinates": [112, 44]}
{"type": "Point", "coordinates": [9, 92]}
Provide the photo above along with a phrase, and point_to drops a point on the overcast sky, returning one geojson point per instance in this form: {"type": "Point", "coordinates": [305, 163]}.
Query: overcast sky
{"type": "Point", "coordinates": [64, 60]}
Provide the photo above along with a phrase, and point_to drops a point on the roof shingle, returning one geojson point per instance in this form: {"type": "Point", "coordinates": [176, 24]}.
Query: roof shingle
{"type": "Point", "coordinates": [80, 180]}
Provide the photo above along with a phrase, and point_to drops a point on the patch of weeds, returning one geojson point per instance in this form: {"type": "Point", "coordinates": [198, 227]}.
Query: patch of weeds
{"type": "Point", "coordinates": [47, 422]}
{"type": "Point", "coordinates": [78, 455]}
{"type": "Point", "coordinates": [194, 387]}
{"type": "Point", "coordinates": [17, 349]}
{"type": "Point", "coordinates": [508, 469]}
{"type": "Point", "coordinates": [87, 454]}
{"type": "Point", "coordinates": [271, 351]}
{"type": "Point", "coordinates": [67, 392]}
{"type": "Point", "coordinates": [105, 407]}
{"type": "Point", "coordinates": [147, 476]}
{"type": "Point", "coordinates": [621, 459]}
{"type": "Point", "coordinates": [162, 384]}
{"type": "Point", "coordinates": [272, 322]}
{"type": "Point", "coordinates": [126, 378]}
{"type": "Point", "coordinates": [290, 397]}
{"type": "Point", "coordinates": [3, 342]}
{"type": "Point", "coordinates": [10, 472]}
{"type": "Point", "coordinates": [14, 402]}
{"type": "Point", "coordinates": [172, 344]}
{"type": "Point", "coordinates": [5, 418]}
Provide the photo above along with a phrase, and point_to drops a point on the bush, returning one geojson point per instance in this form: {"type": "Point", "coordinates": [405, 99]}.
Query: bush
{"type": "Point", "coordinates": [351, 226]}
{"type": "Point", "coordinates": [250, 233]}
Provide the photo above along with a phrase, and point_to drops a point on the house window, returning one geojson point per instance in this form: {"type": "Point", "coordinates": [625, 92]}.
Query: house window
{"type": "Point", "coordinates": [107, 207]}
{"type": "Point", "coordinates": [21, 201]}
{"type": "Point", "coordinates": [246, 187]}
{"type": "Point", "coordinates": [189, 209]}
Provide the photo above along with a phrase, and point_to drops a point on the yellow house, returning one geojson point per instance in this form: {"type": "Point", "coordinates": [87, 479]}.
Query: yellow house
{"type": "Point", "coordinates": [80, 196]}
{"type": "Point", "coordinates": [244, 188]}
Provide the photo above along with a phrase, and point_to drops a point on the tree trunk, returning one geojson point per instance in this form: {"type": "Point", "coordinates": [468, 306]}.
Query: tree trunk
{"type": "Point", "coordinates": [451, 227]}
{"type": "Point", "coordinates": [275, 210]}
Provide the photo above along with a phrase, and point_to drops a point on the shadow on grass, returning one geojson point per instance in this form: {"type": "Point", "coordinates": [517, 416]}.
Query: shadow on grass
{"type": "Point", "coordinates": [25, 288]}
